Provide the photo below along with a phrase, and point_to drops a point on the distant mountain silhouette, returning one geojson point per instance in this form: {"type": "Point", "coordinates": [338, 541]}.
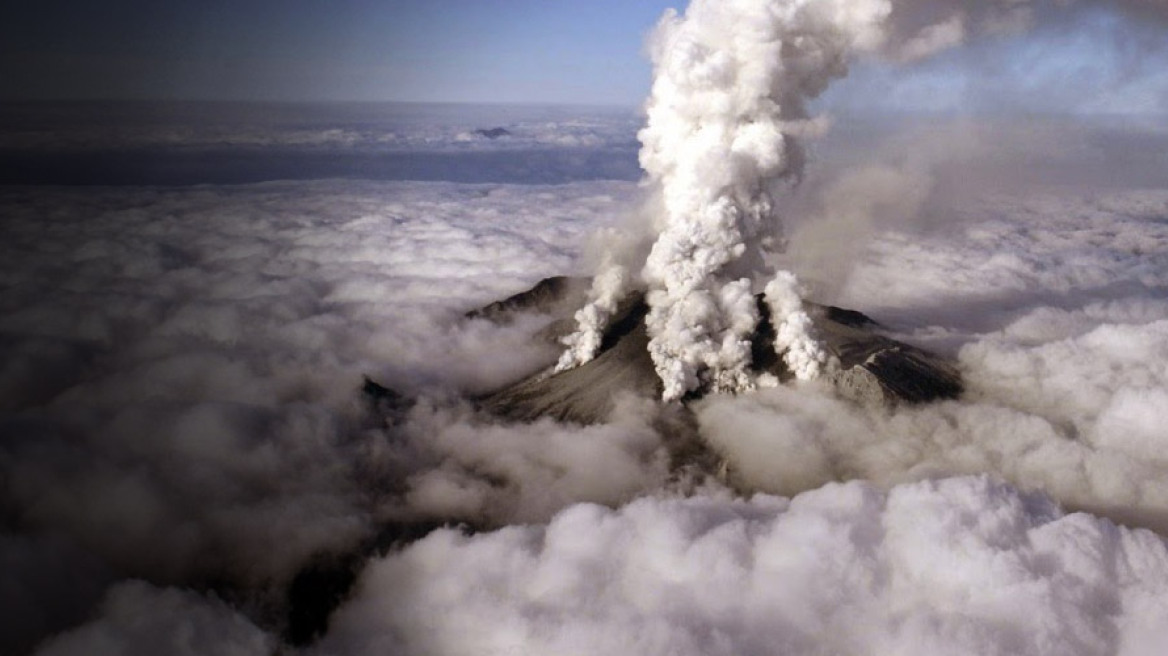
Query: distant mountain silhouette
{"type": "Point", "coordinates": [492, 133]}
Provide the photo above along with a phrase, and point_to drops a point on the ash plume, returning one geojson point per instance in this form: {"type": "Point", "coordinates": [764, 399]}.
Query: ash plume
{"type": "Point", "coordinates": [919, 29]}
{"type": "Point", "coordinates": [732, 81]}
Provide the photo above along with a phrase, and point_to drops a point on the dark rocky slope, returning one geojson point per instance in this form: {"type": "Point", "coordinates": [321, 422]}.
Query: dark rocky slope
{"type": "Point", "coordinates": [874, 368]}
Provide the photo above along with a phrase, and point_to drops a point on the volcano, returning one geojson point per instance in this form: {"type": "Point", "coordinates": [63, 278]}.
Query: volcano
{"type": "Point", "coordinates": [872, 367]}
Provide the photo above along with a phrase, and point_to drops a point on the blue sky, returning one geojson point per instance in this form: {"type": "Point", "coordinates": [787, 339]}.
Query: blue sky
{"type": "Point", "coordinates": [553, 51]}
{"type": "Point", "coordinates": [421, 50]}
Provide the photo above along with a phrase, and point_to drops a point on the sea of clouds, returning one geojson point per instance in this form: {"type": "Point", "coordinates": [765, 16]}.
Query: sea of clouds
{"type": "Point", "coordinates": [183, 430]}
{"type": "Point", "coordinates": [160, 143]}
{"type": "Point", "coordinates": [388, 126]}
{"type": "Point", "coordinates": [182, 373]}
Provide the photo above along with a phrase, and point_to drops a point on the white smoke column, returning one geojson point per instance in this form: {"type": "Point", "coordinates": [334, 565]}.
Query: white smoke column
{"type": "Point", "coordinates": [731, 82]}
{"type": "Point", "coordinates": [794, 333]}
{"type": "Point", "coordinates": [732, 79]}
{"type": "Point", "coordinates": [608, 287]}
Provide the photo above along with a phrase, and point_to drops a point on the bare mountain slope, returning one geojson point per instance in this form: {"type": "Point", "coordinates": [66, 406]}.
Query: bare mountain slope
{"type": "Point", "coordinates": [873, 368]}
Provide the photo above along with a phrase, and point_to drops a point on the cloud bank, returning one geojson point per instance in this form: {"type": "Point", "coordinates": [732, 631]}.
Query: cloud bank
{"type": "Point", "coordinates": [182, 407]}
{"type": "Point", "coordinates": [182, 369]}
{"type": "Point", "coordinates": [959, 566]}
{"type": "Point", "coordinates": [159, 143]}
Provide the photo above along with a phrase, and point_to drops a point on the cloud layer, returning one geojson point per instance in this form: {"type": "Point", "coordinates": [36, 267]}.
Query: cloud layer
{"type": "Point", "coordinates": [183, 430]}
{"type": "Point", "coordinates": [182, 370]}
{"type": "Point", "coordinates": [960, 566]}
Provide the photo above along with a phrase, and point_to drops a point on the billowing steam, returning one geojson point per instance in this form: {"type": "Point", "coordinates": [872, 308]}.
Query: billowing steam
{"type": "Point", "coordinates": [794, 334]}
{"type": "Point", "coordinates": [728, 102]}
{"type": "Point", "coordinates": [728, 105]}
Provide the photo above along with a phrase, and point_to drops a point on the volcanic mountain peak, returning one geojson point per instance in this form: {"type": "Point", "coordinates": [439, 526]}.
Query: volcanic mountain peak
{"type": "Point", "coordinates": [872, 368]}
